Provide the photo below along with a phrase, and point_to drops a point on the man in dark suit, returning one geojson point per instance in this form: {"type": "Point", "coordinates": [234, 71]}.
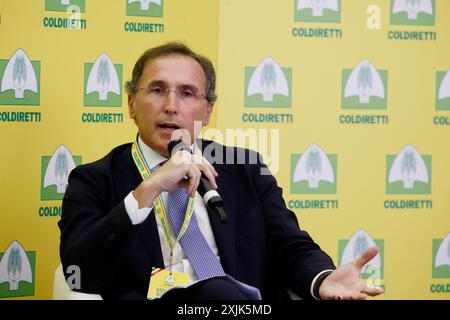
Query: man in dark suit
{"type": "Point", "coordinates": [116, 220]}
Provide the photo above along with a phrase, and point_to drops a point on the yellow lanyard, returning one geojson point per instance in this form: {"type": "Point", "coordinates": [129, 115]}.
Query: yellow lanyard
{"type": "Point", "coordinates": [158, 204]}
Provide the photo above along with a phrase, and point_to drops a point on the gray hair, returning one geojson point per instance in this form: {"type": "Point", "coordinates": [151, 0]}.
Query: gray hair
{"type": "Point", "coordinates": [168, 49]}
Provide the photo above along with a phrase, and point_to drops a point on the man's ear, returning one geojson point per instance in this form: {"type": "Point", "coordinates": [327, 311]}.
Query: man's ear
{"type": "Point", "coordinates": [209, 110]}
{"type": "Point", "coordinates": [131, 102]}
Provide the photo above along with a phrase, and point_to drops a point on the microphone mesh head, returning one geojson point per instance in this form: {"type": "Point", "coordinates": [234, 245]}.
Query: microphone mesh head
{"type": "Point", "coordinates": [177, 145]}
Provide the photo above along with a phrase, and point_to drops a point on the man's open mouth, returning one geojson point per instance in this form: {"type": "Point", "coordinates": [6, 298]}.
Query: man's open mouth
{"type": "Point", "coordinates": [171, 126]}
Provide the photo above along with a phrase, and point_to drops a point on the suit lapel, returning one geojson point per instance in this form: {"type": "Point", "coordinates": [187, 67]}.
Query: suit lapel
{"type": "Point", "coordinates": [148, 231]}
{"type": "Point", "coordinates": [150, 239]}
{"type": "Point", "coordinates": [224, 233]}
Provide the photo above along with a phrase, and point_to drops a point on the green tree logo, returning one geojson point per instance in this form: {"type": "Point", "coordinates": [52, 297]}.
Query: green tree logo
{"type": "Point", "coordinates": [65, 5]}
{"type": "Point", "coordinates": [268, 81]}
{"type": "Point", "coordinates": [19, 76]}
{"type": "Point", "coordinates": [103, 81]}
{"type": "Point", "coordinates": [327, 11]}
{"type": "Point", "coordinates": [145, 8]}
{"type": "Point", "coordinates": [413, 12]}
{"type": "Point", "coordinates": [364, 87]}
{"type": "Point", "coordinates": [443, 90]}
{"type": "Point", "coordinates": [313, 163]}
{"type": "Point", "coordinates": [14, 268]}
{"type": "Point", "coordinates": [17, 268]}
{"type": "Point", "coordinates": [409, 167]}
{"type": "Point", "coordinates": [55, 173]}
{"type": "Point", "coordinates": [313, 172]}
{"type": "Point", "coordinates": [409, 172]}
{"type": "Point", "coordinates": [19, 80]}
{"type": "Point", "coordinates": [268, 85]}
{"type": "Point", "coordinates": [365, 80]}
{"type": "Point", "coordinates": [103, 78]}
{"type": "Point", "coordinates": [61, 171]}
{"type": "Point", "coordinates": [441, 258]}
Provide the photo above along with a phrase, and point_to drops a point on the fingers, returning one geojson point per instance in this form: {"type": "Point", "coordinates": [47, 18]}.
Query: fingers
{"type": "Point", "coordinates": [206, 169]}
{"type": "Point", "coordinates": [361, 296]}
{"type": "Point", "coordinates": [355, 296]}
{"type": "Point", "coordinates": [373, 291]}
{"type": "Point", "coordinates": [366, 256]}
{"type": "Point", "coordinates": [193, 167]}
{"type": "Point", "coordinates": [210, 176]}
{"type": "Point", "coordinates": [193, 180]}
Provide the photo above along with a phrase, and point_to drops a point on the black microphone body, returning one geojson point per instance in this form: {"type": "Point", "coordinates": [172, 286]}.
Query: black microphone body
{"type": "Point", "coordinates": [211, 197]}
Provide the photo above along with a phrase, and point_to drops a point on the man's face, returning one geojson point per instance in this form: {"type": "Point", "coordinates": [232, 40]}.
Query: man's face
{"type": "Point", "coordinates": [158, 117]}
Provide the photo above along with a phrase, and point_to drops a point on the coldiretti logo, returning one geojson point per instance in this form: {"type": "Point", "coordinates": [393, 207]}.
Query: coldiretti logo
{"type": "Point", "coordinates": [268, 85]}
{"type": "Point", "coordinates": [313, 172]}
{"type": "Point", "coordinates": [364, 87]}
{"type": "Point", "coordinates": [17, 271]}
{"type": "Point", "coordinates": [443, 90]}
{"type": "Point", "coordinates": [441, 257]}
{"type": "Point", "coordinates": [55, 172]}
{"type": "Point", "coordinates": [408, 172]}
{"type": "Point", "coordinates": [413, 12]}
{"type": "Point", "coordinates": [351, 249]}
{"type": "Point", "coordinates": [65, 5]}
{"type": "Point", "coordinates": [20, 80]}
{"type": "Point", "coordinates": [102, 83]}
{"type": "Point", "coordinates": [317, 11]}
{"type": "Point", "coordinates": [145, 8]}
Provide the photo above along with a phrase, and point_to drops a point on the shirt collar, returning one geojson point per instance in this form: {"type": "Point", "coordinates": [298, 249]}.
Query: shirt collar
{"type": "Point", "coordinates": [152, 157]}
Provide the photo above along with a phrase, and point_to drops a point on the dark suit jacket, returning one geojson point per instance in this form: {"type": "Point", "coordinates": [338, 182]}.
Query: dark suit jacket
{"type": "Point", "coordinates": [260, 244]}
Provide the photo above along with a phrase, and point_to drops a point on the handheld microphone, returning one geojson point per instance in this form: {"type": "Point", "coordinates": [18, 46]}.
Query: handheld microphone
{"type": "Point", "coordinates": [211, 197]}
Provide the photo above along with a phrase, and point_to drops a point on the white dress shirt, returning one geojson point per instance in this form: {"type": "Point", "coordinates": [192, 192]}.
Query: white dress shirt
{"type": "Point", "coordinates": [180, 262]}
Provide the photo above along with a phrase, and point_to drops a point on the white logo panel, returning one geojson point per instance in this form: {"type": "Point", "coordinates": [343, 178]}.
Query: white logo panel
{"type": "Point", "coordinates": [19, 75]}
{"type": "Point", "coordinates": [15, 266]}
{"type": "Point", "coordinates": [413, 7]}
{"type": "Point", "coordinates": [318, 6]}
{"type": "Point", "coordinates": [364, 82]}
{"type": "Point", "coordinates": [59, 167]}
{"type": "Point", "coordinates": [314, 166]}
{"type": "Point", "coordinates": [408, 167]}
{"type": "Point", "coordinates": [103, 78]}
{"type": "Point", "coordinates": [268, 79]}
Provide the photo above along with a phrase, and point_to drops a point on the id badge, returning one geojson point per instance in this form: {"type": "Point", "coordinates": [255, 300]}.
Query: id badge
{"type": "Point", "coordinates": [162, 280]}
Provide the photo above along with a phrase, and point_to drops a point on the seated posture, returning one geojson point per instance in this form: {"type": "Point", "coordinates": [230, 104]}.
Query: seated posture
{"type": "Point", "coordinates": [135, 225]}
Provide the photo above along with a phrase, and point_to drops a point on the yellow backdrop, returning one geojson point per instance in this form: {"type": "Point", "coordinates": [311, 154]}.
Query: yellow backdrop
{"type": "Point", "coordinates": [348, 101]}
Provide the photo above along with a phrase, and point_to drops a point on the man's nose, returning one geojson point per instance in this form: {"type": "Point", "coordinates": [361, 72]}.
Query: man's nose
{"type": "Point", "coordinates": [171, 102]}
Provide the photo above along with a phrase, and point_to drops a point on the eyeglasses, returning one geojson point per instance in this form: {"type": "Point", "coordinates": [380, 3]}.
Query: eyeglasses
{"type": "Point", "coordinates": [159, 94]}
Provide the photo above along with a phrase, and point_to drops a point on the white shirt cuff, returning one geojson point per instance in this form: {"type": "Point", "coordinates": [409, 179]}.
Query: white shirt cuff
{"type": "Point", "coordinates": [314, 282]}
{"type": "Point", "coordinates": [136, 215]}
